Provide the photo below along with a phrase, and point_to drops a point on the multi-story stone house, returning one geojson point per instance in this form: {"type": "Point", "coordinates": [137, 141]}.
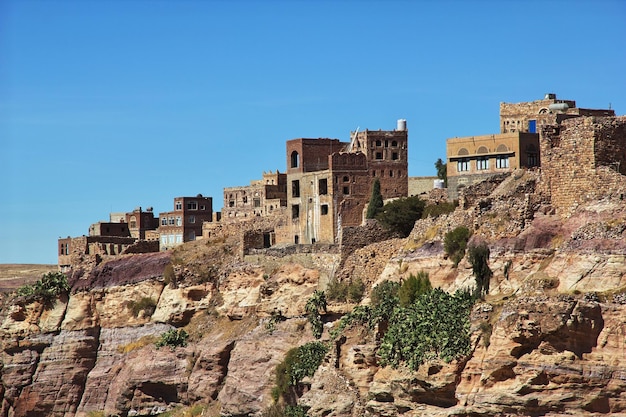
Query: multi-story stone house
{"type": "Point", "coordinates": [329, 182]}
{"type": "Point", "coordinates": [261, 198]}
{"type": "Point", "coordinates": [184, 223]}
{"type": "Point", "coordinates": [471, 159]}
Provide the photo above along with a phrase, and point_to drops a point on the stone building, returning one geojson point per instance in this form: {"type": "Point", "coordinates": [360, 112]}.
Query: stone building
{"type": "Point", "coordinates": [474, 158]}
{"type": "Point", "coordinates": [329, 182]}
{"type": "Point", "coordinates": [584, 159]}
{"type": "Point", "coordinates": [261, 198]}
{"type": "Point", "coordinates": [184, 223]}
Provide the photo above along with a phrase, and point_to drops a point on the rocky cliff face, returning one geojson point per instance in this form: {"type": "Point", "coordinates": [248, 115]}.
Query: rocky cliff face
{"type": "Point", "coordinates": [548, 340]}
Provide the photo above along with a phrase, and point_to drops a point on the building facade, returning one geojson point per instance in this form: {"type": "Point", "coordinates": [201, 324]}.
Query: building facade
{"type": "Point", "coordinates": [184, 223]}
{"type": "Point", "coordinates": [261, 198]}
{"type": "Point", "coordinates": [329, 182]}
{"type": "Point", "coordinates": [474, 158]}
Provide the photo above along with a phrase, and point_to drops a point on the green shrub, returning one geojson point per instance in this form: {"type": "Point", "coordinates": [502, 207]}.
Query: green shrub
{"type": "Point", "coordinates": [413, 287]}
{"type": "Point", "coordinates": [337, 290]}
{"type": "Point", "coordinates": [313, 306]}
{"type": "Point", "coordinates": [436, 210]}
{"type": "Point", "coordinates": [376, 201]}
{"type": "Point", "coordinates": [356, 289]}
{"type": "Point", "coordinates": [479, 258]}
{"type": "Point", "coordinates": [280, 410]}
{"type": "Point", "coordinates": [399, 216]}
{"type": "Point", "coordinates": [299, 362]}
{"type": "Point", "coordinates": [385, 299]}
{"type": "Point", "coordinates": [173, 338]}
{"type": "Point", "coordinates": [436, 325]}
{"type": "Point", "coordinates": [146, 304]}
{"type": "Point", "coordinates": [50, 286]}
{"type": "Point", "coordinates": [455, 242]}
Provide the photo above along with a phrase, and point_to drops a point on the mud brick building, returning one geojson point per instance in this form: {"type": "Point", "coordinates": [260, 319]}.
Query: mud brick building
{"type": "Point", "coordinates": [261, 198]}
{"type": "Point", "coordinates": [472, 159]}
{"type": "Point", "coordinates": [184, 223]}
{"type": "Point", "coordinates": [329, 181]}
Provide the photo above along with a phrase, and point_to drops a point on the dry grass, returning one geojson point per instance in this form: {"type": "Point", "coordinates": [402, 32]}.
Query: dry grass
{"type": "Point", "coordinates": [144, 341]}
{"type": "Point", "coordinates": [13, 276]}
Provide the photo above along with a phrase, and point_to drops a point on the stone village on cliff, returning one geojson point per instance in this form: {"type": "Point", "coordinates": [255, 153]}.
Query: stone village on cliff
{"type": "Point", "coordinates": [327, 184]}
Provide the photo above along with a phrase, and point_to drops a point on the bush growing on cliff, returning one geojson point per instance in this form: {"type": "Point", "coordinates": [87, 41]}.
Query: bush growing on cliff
{"type": "Point", "coordinates": [413, 287]}
{"type": "Point", "coordinates": [400, 215]}
{"type": "Point", "coordinates": [173, 338]}
{"type": "Point", "coordinates": [436, 210]}
{"type": "Point", "coordinates": [50, 285]}
{"type": "Point", "coordinates": [455, 242]}
{"type": "Point", "coordinates": [436, 325]}
{"type": "Point", "coordinates": [345, 291]}
{"type": "Point", "coordinates": [479, 258]}
{"type": "Point", "coordinates": [299, 362]}
{"type": "Point", "coordinates": [313, 306]}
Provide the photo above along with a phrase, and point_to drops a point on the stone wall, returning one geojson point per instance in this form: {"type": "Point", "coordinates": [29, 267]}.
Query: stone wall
{"type": "Point", "coordinates": [575, 153]}
{"type": "Point", "coordinates": [353, 238]}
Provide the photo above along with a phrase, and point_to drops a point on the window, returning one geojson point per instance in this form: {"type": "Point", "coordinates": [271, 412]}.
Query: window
{"type": "Point", "coordinates": [178, 205]}
{"type": "Point", "coordinates": [346, 190]}
{"type": "Point", "coordinates": [191, 219]}
{"type": "Point", "coordinates": [386, 144]}
{"type": "Point", "coordinates": [164, 240]}
{"type": "Point", "coordinates": [256, 202]}
{"type": "Point", "coordinates": [163, 221]}
{"type": "Point", "coordinates": [192, 205]}
{"type": "Point", "coordinates": [231, 203]}
{"type": "Point", "coordinates": [203, 207]}
{"type": "Point", "coordinates": [171, 221]}
{"type": "Point", "coordinates": [191, 236]}
{"type": "Point", "coordinates": [379, 155]}
{"type": "Point", "coordinates": [502, 162]}
{"type": "Point", "coordinates": [324, 209]}
{"type": "Point", "coordinates": [295, 159]}
{"type": "Point", "coordinates": [346, 179]}
{"type": "Point", "coordinates": [323, 186]}
{"type": "Point", "coordinates": [295, 211]}
{"type": "Point", "coordinates": [296, 239]}
{"type": "Point", "coordinates": [379, 143]}
{"type": "Point", "coordinates": [462, 165]}
{"type": "Point", "coordinates": [133, 223]}
{"type": "Point", "coordinates": [394, 144]}
{"type": "Point", "coordinates": [482, 163]}
{"type": "Point", "coordinates": [245, 200]}
{"type": "Point", "coordinates": [373, 173]}
{"type": "Point", "coordinates": [533, 159]}
{"type": "Point", "coordinates": [179, 238]}
{"type": "Point", "coordinates": [394, 156]}
{"type": "Point", "coordinates": [179, 221]}
{"type": "Point", "coordinates": [295, 188]}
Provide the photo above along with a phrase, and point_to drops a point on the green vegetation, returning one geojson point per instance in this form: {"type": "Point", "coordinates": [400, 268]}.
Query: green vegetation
{"type": "Point", "coordinates": [479, 258]}
{"type": "Point", "coordinates": [413, 287]}
{"type": "Point", "coordinates": [436, 210]}
{"type": "Point", "coordinates": [455, 242]}
{"type": "Point", "coordinates": [313, 306]}
{"type": "Point", "coordinates": [399, 216]}
{"type": "Point", "coordinates": [436, 325]}
{"type": "Point", "coordinates": [345, 291]}
{"type": "Point", "coordinates": [279, 410]}
{"type": "Point", "coordinates": [376, 201]}
{"type": "Point", "coordinates": [146, 304]}
{"type": "Point", "coordinates": [275, 318]}
{"type": "Point", "coordinates": [442, 171]}
{"type": "Point", "coordinates": [298, 363]}
{"type": "Point", "coordinates": [50, 286]}
{"type": "Point", "coordinates": [173, 338]}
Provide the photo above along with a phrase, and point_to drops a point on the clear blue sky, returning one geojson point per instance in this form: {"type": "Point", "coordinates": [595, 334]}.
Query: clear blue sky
{"type": "Point", "coordinates": [109, 105]}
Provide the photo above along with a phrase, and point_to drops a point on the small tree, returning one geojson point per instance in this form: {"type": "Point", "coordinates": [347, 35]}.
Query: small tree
{"type": "Point", "coordinates": [455, 242]}
{"type": "Point", "coordinates": [442, 171]}
{"type": "Point", "coordinates": [400, 215]}
{"type": "Point", "coordinates": [413, 287]}
{"type": "Point", "coordinates": [479, 258]}
{"type": "Point", "coordinates": [376, 201]}
{"type": "Point", "coordinates": [313, 306]}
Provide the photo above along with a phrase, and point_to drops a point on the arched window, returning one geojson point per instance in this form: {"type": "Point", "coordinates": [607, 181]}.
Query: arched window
{"type": "Point", "coordinates": [295, 159]}
{"type": "Point", "coordinates": [346, 179]}
{"type": "Point", "coordinates": [482, 149]}
{"type": "Point", "coordinates": [502, 148]}
{"type": "Point", "coordinates": [463, 151]}
{"type": "Point", "coordinates": [394, 143]}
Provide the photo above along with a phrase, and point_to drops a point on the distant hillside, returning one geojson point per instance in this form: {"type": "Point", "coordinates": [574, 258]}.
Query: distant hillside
{"type": "Point", "coordinates": [13, 276]}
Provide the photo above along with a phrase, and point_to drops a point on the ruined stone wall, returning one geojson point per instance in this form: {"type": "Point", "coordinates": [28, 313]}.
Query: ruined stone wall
{"type": "Point", "coordinates": [421, 185]}
{"type": "Point", "coordinates": [573, 154]}
{"type": "Point", "coordinates": [353, 238]}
